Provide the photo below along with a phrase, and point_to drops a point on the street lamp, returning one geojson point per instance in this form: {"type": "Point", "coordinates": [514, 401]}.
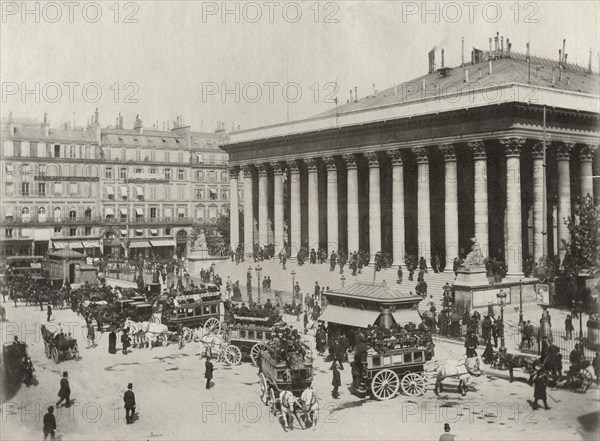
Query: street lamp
{"type": "Point", "coordinates": [520, 302]}
{"type": "Point", "coordinates": [501, 297]}
{"type": "Point", "coordinates": [249, 285]}
{"type": "Point", "coordinates": [258, 276]}
{"type": "Point", "coordinates": [293, 273]}
{"type": "Point", "coordinates": [579, 305]}
{"type": "Point", "coordinates": [343, 279]}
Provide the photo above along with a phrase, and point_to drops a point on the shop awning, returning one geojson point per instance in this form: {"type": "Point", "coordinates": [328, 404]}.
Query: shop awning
{"type": "Point", "coordinates": [144, 244]}
{"type": "Point", "coordinates": [110, 190]}
{"type": "Point", "coordinates": [154, 231]}
{"type": "Point", "coordinates": [405, 316]}
{"type": "Point", "coordinates": [349, 316]}
{"type": "Point", "coordinates": [123, 191]}
{"type": "Point", "coordinates": [76, 245]}
{"type": "Point", "coordinates": [59, 245]}
{"type": "Point", "coordinates": [91, 244]}
{"type": "Point", "coordinates": [139, 190]}
{"type": "Point", "coordinates": [139, 231]}
{"type": "Point", "coordinates": [139, 211]}
{"type": "Point", "coordinates": [109, 211]}
{"type": "Point", "coordinates": [124, 232]}
{"type": "Point", "coordinates": [163, 242]}
{"type": "Point", "coordinates": [123, 211]}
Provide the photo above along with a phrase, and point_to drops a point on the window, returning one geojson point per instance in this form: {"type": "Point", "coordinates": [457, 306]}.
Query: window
{"type": "Point", "coordinates": [17, 148]}
{"type": "Point", "coordinates": [58, 188]}
{"type": "Point", "coordinates": [72, 231]}
{"type": "Point", "coordinates": [138, 155]}
{"type": "Point", "coordinates": [181, 174]}
{"type": "Point", "coordinates": [57, 213]}
{"type": "Point", "coordinates": [167, 231]}
{"type": "Point", "coordinates": [225, 194]}
{"type": "Point", "coordinates": [73, 189]}
{"type": "Point", "coordinates": [199, 193]}
{"type": "Point", "coordinates": [153, 212]}
{"type": "Point", "coordinates": [199, 175]}
{"type": "Point", "coordinates": [42, 214]}
{"type": "Point", "coordinates": [48, 150]}
{"type": "Point", "coordinates": [25, 169]}
{"type": "Point", "coordinates": [167, 173]}
{"type": "Point", "coordinates": [10, 169]}
{"type": "Point", "coordinates": [87, 231]}
{"type": "Point", "coordinates": [25, 188]}
{"type": "Point", "coordinates": [57, 150]}
{"type": "Point", "coordinates": [87, 213]}
{"type": "Point", "coordinates": [153, 192]}
{"type": "Point", "coordinates": [139, 233]}
{"type": "Point", "coordinates": [73, 214]}
{"type": "Point", "coordinates": [87, 152]}
{"type": "Point", "coordinates": [180, 156]}
{"type": "Point", "coordinates": [213, 194]}
{"type": "Point", "coordinates": [167, 192]}
{"type": "Point", "coordinates": [57, 231]}
{"type": "Point", "coordinates": [72, 151]}
{"type": "Point", "coordinates": [123, 155]}
{"type": "Point", "coordinates": [8, 232]}
{"type": "Point", "coordinates": [108, 173]}
{"type": "Point", "coordinates": [33, 149]}
{"type": "Point", "coordinates": [9, 189]}
{"type": "Point", "coordinates": [153, 170]}
{"type": "Point", "coordinates": [25, 214]}
{"type": "Point", "coordinates": [123, 173]}
{"type": "Point", "coordinates": [211, 176]}
{"type": "Point", "coordinates": [138, 171]}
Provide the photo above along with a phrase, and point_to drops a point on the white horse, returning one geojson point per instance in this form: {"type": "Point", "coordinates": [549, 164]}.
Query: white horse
{"type": "Point", "coordinates": [156, 331]}
{"type": "Point", "coordinates": [289, 403]}
{"type": "Point", "coordinates": [310, 406]}
{"type": "Point", "coordinates": [461, 369]}
{"type": "Point", "coordinates": [137, 331]}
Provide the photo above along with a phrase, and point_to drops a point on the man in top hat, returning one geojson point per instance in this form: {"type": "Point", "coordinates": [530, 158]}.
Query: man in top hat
{"type": "Point", "coordinates": [129, 400]}
{"type": "Point", "coordinates": [49, 423]}
{"type": "Point", "coordinates": [208, 374]}
{"type": "Point", "coordinates": [447, 436]}
{"type": "Point", "coordinates": [336, 382]}
{"type": "Point", "coordinates": [65, 391]}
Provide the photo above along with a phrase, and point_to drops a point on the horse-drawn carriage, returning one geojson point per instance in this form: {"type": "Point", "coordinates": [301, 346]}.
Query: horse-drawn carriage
{"type": "Point", "coordinates": [58, 345]}
{"type": "Point", "coordinates": [17, 363]}
{"type": "Point", "coordinates": [249, 334]}
{"type": "Point", "coordinates": [201, 307]}
{"type": "Point", "coordinates": [286, 384]}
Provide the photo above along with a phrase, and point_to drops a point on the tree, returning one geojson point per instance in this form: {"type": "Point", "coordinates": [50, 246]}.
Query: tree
{"type": "Point", "coordinates": [216, 233]}
{"type": "Point", "coordinates": [583, 250]}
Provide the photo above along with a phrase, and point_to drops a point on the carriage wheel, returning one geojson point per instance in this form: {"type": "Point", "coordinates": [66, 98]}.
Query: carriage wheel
{"type": "Point", "coordinates": [55, 354]}
{"type": "Point", "coordinates": [212, 326]}
{"type": "Point", "coordinates": [413, 384]}
{"type": "Point", "coordinates": [264, 393]}
{"type": "Point", "coordinates": [188, 335]}
{"type": "Point", "coordinates": [582, 381]}
{"type": "Point", "coordinates": [255, 351]}
{"type": "Point", "coordinates": [385, 384]}
{"type": "Point", "coordinates": [233, 355]}
{"type": "Point", "coordinates": [273, 403]}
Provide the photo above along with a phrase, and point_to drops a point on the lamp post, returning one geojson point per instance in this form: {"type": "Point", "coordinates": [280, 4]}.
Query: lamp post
{"type": "Point", "coordinates": [521, 302]}
{"type": "Point", "coordinates": [501, 297]}
{"type": "Point", "coordinates": [249, 285]}
{"type": "Point", "coordinates": [579, 305]}
{"type": "Point", "coordinates": [258, 270]}
{"type": "Point", "coordinates": [343, 279]}
{"type": "Point", "coordinates": [293, 273]}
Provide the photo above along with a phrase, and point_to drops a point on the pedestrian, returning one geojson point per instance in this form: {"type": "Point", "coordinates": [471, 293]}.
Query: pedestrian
{"type": "Point", "coordinates": [208, 374]}
{"type": "Point", "coordinates": [125, 341]}
{"type": "Point", "coordinates": [399, 275]}
{"type": "Point", "coordinates": [569, 327]}
{"type": "Point", "coordinates": [129, 400]}
{"type": "Point", "coordinates": [596, 366]}
{"type": "Point", "coordinates": [336, 381]}
{"type": "Point", "coordinates": [112, 342]}
{"type": "Point", "coordinates": [305, 322]}
{"type": "Point", "coordinates": [447, 436]}
{"type": "Point", "coordinates": [49, 312]}
{"type": "Point", "coordinates": [3, 312]}
{"type": "Point", "coordinates": [355, 375]}
{"type": "Point", "coordinates": [540, 383]}
{"type": "Point", "coordinates": [65, 391]}
{"type": "Point", "coordinates": [180, 335]}
{"type": "Point", "coordinates": [91, 334]}
{"type": "Point", "coordinates": [49, 423]}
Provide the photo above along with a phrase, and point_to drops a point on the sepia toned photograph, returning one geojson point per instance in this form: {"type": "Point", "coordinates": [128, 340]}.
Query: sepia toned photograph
{"type": "Point", "coordinates": [300, 220]}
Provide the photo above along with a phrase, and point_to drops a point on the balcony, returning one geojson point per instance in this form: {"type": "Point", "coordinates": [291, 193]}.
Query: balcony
{"type": "Point", "coordinates": [95, 221]}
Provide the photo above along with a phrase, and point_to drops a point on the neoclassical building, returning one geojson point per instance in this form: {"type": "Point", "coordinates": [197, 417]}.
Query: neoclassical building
{"type": "Point", "coordinates": [424, 166]}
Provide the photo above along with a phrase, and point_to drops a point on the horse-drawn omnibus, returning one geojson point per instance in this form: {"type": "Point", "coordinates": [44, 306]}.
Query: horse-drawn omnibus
{"type": "Point", "coordinates": [201, 307]}
{"type": "Point", "coordinates": [249, 334]}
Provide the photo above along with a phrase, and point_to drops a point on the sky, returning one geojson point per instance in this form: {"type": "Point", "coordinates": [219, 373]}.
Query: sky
{"type": "Point", "coordinates": [250, 64]}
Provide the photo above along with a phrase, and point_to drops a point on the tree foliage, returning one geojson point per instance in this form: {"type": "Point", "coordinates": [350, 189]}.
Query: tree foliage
{"type": "Point", "coordinates": [216, 233]}
{"type": "Point", "coordinates": [583, 250]}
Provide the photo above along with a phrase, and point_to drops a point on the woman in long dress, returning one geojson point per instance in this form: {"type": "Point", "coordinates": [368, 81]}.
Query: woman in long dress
{"type": "Point", "coordinates": [112, 342]}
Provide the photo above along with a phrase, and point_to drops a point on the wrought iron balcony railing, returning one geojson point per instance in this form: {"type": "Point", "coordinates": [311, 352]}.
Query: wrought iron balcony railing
{"type": "Point", "coordinates": [95, 221]}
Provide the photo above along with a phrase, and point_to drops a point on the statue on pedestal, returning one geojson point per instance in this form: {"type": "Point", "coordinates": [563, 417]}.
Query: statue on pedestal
{"type": "Point", "coordinates": [475, 257]}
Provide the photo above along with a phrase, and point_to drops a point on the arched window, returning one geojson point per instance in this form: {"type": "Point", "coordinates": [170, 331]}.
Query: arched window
{"type": "Point", "coordinates": [25, 214]}
{"type": "Point", "coordinates": [72, 213]}
{"type": "Point", "coordinates": [42, 214]}
{"type": "Point", "coordinates": [57, 213]}
{"type": "Point", "coordinates": [88, 213]}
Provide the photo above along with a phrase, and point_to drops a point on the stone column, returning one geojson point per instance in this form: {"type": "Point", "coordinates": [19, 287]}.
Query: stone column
{"type": "Point", "coordinates": [313, 204]}
{"type": "Point", "coordinates": [332, 206]}
{"type": "Point", "coordinates": [263, 205]}
{"type": "Point", "coordinates": [513, 249]}
{"type": "Point", "coordinates": [374, 204]}
{"type": "Point", "coordinates": [234, 209]}
{"type": "Point", "coordinates": [537, 154]}
{"type": "Point", "coordinates": [398, 239]}
{"type": "Point", "coordinates": [481, 195]}
{"type": "Point", "coordinates": [586, 155]}
{"type": "Point", "coordinates": [423, 213]}
{"type": "Point", "coordinates": [450, 205]}
{"type": "Point", "coordinates": [248, 211]}
{"type": "Point", "coordinates": [563, 156]}
{"type": "Point", "coordinates": [278, 206]}
{"type": "Point", "coordinates": [295, 219]}
{"type": "Point", "coordinates": [353, 219]}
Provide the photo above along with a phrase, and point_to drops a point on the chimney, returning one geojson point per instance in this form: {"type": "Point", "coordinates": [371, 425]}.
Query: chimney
{"type": "Point", "coordinates": [553, 75]}
{"type": "Point", "coordinates": [351, 99]}
{"type": "Point", "coordinates": [472, 57]}
{"type": "Point", "coordinates": [490, 67]}
{"type": "Point", "coordinates": [431, 56]}
{"type": "Point", "coordinates": [480, 73]}
{"type": "Point", "coordinates": [466, 75]}
{"type": "Point", "coordinates": [508, 45]}
{"type": "Point", "coordinates": [501, 47]}
{"type": "Point", "coordinates": [45, 125]}
{"type": "Point", "coordinates": [560, 70]}
{"type": "Point", "coordinates": [442, 57]}
{"type": "Point", "coordinates": [537, 71]}
{"type": "Point", "coordinates": [528, 57]}
{"type": "Point", "coordinates": [496, 44]}
{"type": "Point", "coordinates": [590, 63]}
{"type": "Point", "coordinates": [462, 53]}
{"type": "Point", "coordinates": [565, 61]}
{"type": "Point", "coordinates": [559, 57]}
{"type": "Point", "coordinates": [563, 50]}
{"type": "Point", "coordinates": [490, 52]}
{"type": "Point", "coordinates": [355, 94]}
